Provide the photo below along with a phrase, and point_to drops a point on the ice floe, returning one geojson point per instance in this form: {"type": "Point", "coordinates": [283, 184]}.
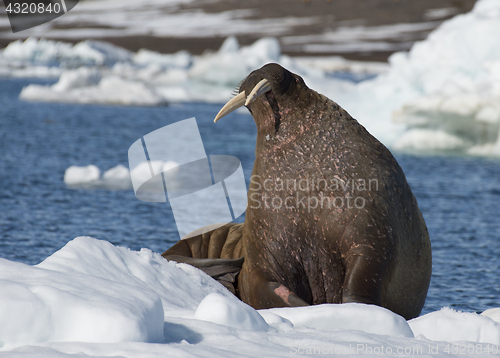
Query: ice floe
{"type": "Point", "coordinates": [116, 178]}
{"type": "Point", "coordinates": [91, 298]}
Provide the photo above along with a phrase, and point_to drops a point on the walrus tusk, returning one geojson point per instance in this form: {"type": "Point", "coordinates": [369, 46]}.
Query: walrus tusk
{"type": "Point", "coordinates": [232, 105]}
{"type": "Point", "coordinates": [241, 99]}
{"type": "Point", "coordinates": [259, 89]}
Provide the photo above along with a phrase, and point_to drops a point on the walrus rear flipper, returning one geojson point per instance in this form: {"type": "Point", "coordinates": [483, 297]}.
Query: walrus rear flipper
{"type": "Point", "coordinates": [224, 271]}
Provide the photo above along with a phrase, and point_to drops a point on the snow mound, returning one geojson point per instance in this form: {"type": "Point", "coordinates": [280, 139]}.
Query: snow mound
{"type": "Point", "coordinates": [353, 316]}
{"type": "Point", "coordinates": [92, 291]}
{"type": "Point", "coordinates": [44, 303]}
{"type": "Point", "coordinates": [181, 287]}
{"type": "Point", "coordinates": [450, 325]}
{"type": "Point", "coordinates": [230, 312]}
{"type": "Point", "coordinates": [493, 313]}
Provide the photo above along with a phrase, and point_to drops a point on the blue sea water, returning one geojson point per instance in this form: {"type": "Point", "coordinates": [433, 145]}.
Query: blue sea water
{"type": "Point", "coordinates": [459, 197]}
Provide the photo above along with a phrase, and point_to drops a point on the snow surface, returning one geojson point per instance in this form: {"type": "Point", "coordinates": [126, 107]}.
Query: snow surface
{"type": "Point", "coordinates": [94, 299]}
{"type": "Point", "coordinates": [443, 95]}
{"type": "Point", "coordinates": [447, 324]}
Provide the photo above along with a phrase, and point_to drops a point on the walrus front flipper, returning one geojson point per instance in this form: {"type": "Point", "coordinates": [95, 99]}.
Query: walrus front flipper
{"type": "Point", "coordinates": [274, 294]}
{"type": "Point", "coordinates": [221, 270]}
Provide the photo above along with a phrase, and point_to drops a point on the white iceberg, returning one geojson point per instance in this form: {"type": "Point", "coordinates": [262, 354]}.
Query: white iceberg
{"type": "Point", "coordinates": [444, 93]}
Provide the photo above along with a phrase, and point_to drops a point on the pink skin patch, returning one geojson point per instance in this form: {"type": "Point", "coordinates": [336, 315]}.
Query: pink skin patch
{"type": "Point", "coordinates": [283, 292]}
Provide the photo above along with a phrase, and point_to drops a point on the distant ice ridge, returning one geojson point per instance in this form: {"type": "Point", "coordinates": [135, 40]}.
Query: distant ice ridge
{"type": "Point", "coordinates": [97, 72]}
{"type": "Point", "coordinates": [444, 94]}
{"type": "Point", "coordinates": [127, 301]}
{"type": "Point", "coordinates": [53, 53]}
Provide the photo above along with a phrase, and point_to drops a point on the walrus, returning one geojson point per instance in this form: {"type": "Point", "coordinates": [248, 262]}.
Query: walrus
{"type": "Point", "coordinates": [330, 215]}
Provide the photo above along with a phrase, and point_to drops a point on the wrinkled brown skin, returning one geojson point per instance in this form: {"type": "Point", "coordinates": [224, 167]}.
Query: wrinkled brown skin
{"type": "Point", "coordinates": [378, 253]}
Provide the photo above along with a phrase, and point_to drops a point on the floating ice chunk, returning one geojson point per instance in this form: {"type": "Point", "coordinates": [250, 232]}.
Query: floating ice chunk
{"type": "Point", "coordinates": [37, 51]}
{"type": "Point", "coordinates": [353, 316]}
{"type": "Point", "coordinates": [54, 53]}
{"type": "Point", "coordinates": [262, 51]}
{"type": "Point", "coordinates": [338, 63]}
{"type": "Point", "coordinates": [78, 86]}
{"type": "Point", "coordinates": [181, 59]}
{"type": "Point", "coordinates": [230, 45]}
{"type": "Point", "coordinates": [76, 175]}
{"type": "Point", "coordinates": [230, 65]}
{"type": "Point", "coordinates": [117, 178]}
{"type": "Point", "coordinates": [170, 168]}
{"type": "Point", "coordinates": [99, 53]}
{"type": "Point", "coordinates": [81, 77]}
{"type": "Point", "coordinates": [147, 77]}
{"type": "Point", "coordinates": [119, 172]}
{"type": "Point", "coordinates": [144, 170]}
{"type": "Point", "coordinates": [429, 140]}
{"type": "Point", "coordinates": [450, 325]}
{"type": "Point", "coordinates": [231, 312]}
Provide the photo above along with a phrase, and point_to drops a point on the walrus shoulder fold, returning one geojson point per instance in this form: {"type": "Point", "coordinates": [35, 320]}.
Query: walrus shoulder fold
{"type": "Point", "coordinates": [218, 253]}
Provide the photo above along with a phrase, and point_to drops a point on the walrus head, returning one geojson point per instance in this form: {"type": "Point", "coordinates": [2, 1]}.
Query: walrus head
{"type": "Point", "coordinates": [269, 93]}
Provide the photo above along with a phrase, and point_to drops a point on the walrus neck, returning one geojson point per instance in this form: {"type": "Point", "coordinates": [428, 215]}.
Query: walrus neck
{"type": "Point", "coordinates": [296, 117]}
